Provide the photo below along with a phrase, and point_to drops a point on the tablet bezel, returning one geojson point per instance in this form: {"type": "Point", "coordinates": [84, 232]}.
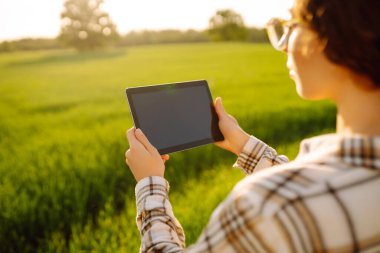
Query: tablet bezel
{"type": "Point", "coordinates": [216, 134]}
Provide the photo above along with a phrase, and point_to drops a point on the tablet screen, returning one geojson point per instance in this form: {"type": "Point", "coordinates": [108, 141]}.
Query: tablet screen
{"type": "Point", "coordinates": [175, 117]}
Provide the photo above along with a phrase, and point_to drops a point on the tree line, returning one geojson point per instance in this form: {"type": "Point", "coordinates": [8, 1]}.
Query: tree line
{"type": "Point", "coordinates": [85, 27]}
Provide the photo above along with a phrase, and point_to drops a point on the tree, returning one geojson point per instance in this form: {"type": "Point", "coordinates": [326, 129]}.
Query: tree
{"type": "Point", "coordinates": [162, 36]}
{"type": "Point", "coordinates": [85, 26]}
{"type": "Point", "coordinates": [227, 25]}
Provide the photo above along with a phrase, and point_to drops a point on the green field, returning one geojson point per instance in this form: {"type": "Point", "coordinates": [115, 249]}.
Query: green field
{"type": "Point", "coordinates": [64, 185]}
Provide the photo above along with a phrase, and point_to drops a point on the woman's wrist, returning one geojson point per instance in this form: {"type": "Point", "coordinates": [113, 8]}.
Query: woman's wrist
{"type": "Point", "coordinates": [243, 140]}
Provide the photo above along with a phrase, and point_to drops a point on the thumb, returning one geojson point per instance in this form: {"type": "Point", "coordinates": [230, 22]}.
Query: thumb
{"type": "Point", "coordinates": [219, 107]}
{"type": "Point", "coordinates": [133, 141]}
{"type": "Point", "coordinates": [144, 140]}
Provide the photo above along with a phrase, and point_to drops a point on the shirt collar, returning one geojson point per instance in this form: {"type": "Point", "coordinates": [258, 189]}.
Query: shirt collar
{"type": "Point", "coordinates": [354, 150]}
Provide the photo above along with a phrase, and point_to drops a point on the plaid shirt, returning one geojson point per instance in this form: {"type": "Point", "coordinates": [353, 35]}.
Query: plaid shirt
{"type": "Point", "coordinates": [326, 200]}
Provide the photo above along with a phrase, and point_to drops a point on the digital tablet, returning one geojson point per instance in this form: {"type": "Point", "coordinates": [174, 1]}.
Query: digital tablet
{"type": "Point", "coordinates": [175, 116]}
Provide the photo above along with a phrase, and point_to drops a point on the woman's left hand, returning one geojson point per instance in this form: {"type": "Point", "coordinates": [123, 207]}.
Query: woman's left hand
{"type": "Point", "coordinates": [142, 158]}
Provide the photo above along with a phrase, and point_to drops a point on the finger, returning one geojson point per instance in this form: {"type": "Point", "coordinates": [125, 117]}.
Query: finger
{"type": "Point", "coordinates": [127, 156]}
{"type": "Point", "coordinates": [127, 153]}
{"type": "Point", "coordinates": [127, 161]}
{"type": "Point", "coordinates": [133, 141]}
{"type": "Point", "coordinates": [144, 140]}
{"type": "Point", "coordinates": [219, 107]}
{"type": "Point", "coordinates": [132, 129]}
{"type": "Point", "coordinates": [130, 132]}
{"type": "Point", "coordinates": [165, 157]}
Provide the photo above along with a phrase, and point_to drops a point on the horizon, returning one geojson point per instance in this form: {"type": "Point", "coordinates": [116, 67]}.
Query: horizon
{"type": "Point", "coordinates": [128, 16]}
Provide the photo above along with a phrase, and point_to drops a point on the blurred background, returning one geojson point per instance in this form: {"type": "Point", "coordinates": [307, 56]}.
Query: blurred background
{"type": "Point", "coordinates": [64, 67]}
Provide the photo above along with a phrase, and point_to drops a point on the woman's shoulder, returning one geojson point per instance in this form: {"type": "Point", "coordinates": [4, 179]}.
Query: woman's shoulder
{"type": "Point", "coordinates": [284, 184]}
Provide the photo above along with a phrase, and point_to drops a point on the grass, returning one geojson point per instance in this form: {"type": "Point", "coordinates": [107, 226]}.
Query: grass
{"type": "Point", "coordinates": [64, 186]}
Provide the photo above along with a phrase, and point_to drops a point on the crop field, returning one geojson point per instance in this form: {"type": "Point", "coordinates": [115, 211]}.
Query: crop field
{"type": "Point", "coordinates": [64, 185]}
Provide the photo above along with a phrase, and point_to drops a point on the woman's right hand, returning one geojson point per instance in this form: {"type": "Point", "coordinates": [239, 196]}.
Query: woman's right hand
{"type": "Point", "coordinates": [234, 137]}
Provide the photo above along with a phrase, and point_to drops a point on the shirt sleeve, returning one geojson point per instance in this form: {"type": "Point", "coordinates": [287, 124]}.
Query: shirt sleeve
{"type": "Point", "coordinates": [256, 155]}
{"type": "Point", "coordinates": [160, 231]}
{"type": "Point", "coordinates": [235, 226]}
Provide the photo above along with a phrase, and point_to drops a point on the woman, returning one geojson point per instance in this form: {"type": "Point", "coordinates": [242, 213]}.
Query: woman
{"type": "Point", "coordinates": [328, 198]}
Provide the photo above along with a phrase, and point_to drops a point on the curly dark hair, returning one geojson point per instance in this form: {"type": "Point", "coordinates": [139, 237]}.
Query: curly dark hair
{"type": "Point", "coordinates": [351, 30]}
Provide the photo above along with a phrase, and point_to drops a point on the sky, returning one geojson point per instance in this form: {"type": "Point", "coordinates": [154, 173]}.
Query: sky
{"type": "Point", "coordinates": [41, 18]}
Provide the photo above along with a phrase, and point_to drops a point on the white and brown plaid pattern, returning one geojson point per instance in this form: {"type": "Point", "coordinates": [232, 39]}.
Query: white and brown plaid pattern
{"type": "Point", "coordinates": [326, 200]}
{"type": "Point", "coordinates": [256, 151]}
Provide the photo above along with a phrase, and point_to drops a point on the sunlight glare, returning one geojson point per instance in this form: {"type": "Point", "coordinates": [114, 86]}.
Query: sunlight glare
{"type": "Point", "coordinates": [41, 18]}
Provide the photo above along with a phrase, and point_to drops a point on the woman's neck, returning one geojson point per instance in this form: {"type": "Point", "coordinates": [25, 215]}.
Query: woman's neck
{"type": "Point", "coordinates": [358, 110]}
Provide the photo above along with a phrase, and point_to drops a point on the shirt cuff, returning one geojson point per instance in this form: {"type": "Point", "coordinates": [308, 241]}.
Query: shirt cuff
{"type": "Point", "coordinates": [151, 192]}
{"type": "Point", "coordinates": [252, 152]}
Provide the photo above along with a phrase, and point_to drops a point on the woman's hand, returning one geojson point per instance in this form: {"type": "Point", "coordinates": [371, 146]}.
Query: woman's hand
{"type": "Point", "coordinates": [234, 137]}
{"type": "Point", "coordinates": [142, 158]}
